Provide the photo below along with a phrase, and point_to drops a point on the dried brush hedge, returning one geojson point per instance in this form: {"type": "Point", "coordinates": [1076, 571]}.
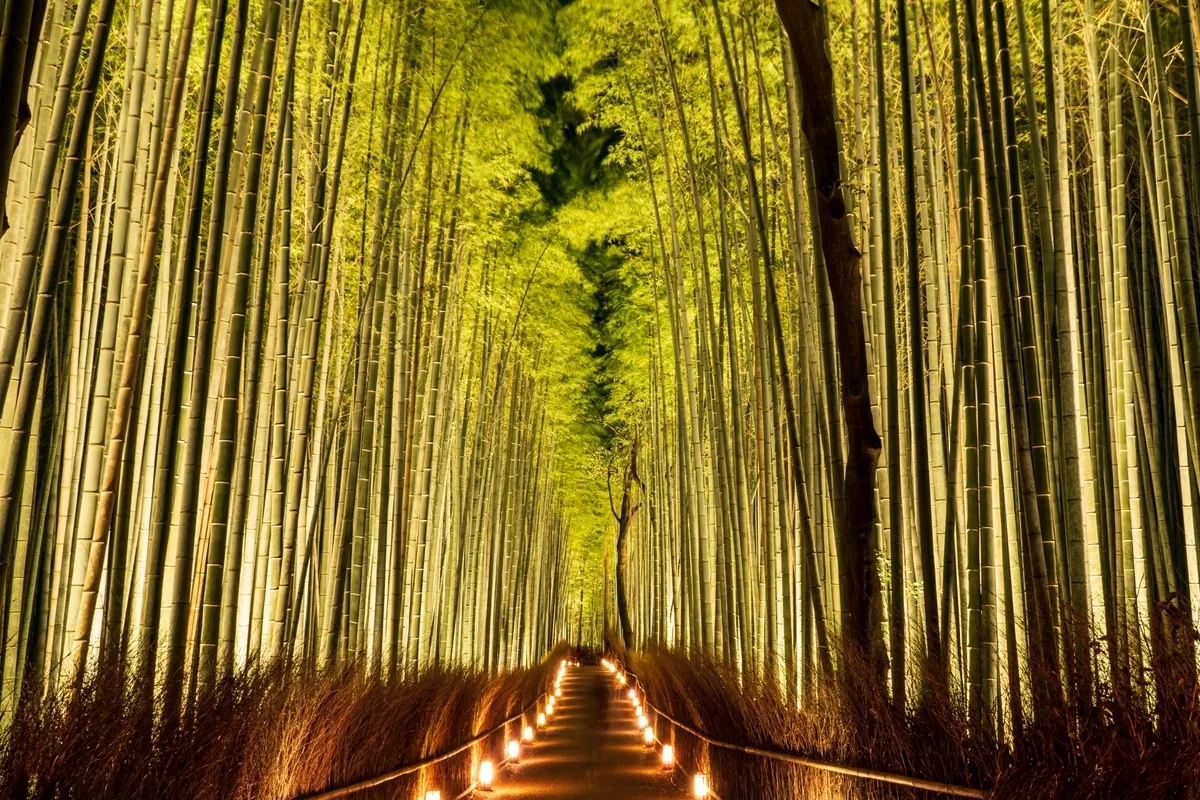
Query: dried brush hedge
{"type": "Point", "coordinates": [269, 731]}
{"type": "Point", "coordinates": [1127, 746]}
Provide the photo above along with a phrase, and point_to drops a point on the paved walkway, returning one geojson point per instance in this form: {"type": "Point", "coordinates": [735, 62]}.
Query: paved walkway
{"type": "Point", "coordinates": [591, 749]}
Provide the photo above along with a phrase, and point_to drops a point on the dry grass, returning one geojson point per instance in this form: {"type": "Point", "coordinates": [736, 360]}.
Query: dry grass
{"type": "Point", "coordinates": [268, 732]}
{"type": "Point", "coordinates": [1118, 749]}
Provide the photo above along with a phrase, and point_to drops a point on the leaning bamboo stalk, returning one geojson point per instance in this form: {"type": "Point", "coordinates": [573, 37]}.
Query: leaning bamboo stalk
{"type": "Point", "coordinates": [118, 429]}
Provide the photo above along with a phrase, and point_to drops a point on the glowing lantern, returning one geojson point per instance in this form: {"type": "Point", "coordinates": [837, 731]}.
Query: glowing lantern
{"type": "Point", "coordinates": [642, 721]}
{"type": "Point", "coordinates": [541, 719]}
{"type": "Point", "coordinates": [621, 679]}
{"type": "Point", "coordinates": [513, 749]}
{"type": "Point", "coordinates": [648, 736]}
{"type": "Point", "coordinates": [433, 795]}
{"type": "Point", "coordinates": [527, 734]}
{"type": "Point", "coordinates": [633, 694]}
{"type": "Point", "coordinates": [637, 707]}
{"type": "Point", "coordinates": [700, 785]}
{"type": "Point", "coordinates": [668, 756]}
{"type": "Point", "coordinates": [487, 773]}
{"type": "Point", "coordinates": [557, 692]}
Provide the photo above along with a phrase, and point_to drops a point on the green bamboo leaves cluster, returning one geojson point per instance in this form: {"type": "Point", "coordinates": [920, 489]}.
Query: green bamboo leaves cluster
{"type": "Point", "coordinates": [268, 379]}
{"type": "Point", "coordinates": [1021, 179]}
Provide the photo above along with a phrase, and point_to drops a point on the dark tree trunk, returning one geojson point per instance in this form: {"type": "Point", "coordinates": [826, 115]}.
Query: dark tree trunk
{"type": "Point", "coordinates": [807, 30]}
{"type": "Point", "coordinates": [624, 522]}
{"type": "Point", "coordinates": [20, 32]}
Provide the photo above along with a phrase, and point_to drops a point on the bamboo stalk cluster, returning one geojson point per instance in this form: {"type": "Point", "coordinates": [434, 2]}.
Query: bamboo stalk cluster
{"type": "Point", "coordinates": [267, 381]}
{"type": "Point", "coordinates": [1021, 180]}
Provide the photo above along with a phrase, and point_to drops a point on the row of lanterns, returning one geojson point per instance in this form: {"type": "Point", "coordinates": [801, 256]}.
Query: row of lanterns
{"type": "Point", "coordinates": [699, 780]}
{"type": "Point", "coordinates": [486, 774]}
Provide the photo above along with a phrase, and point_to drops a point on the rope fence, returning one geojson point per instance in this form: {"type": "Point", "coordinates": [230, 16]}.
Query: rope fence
{"type": "Point", "coordinates": [408, 769]}
{"type": "Point", "coordinates": [882, 776]}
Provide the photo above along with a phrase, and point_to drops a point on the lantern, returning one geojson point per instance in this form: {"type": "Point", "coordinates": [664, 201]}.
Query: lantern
{"type": "Point", "coordinates": [487, 773]}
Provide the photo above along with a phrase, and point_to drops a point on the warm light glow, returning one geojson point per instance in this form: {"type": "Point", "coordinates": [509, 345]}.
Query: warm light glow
{"type": "Point", "coordinates": [487, 773]}
{"type": "Point", "coordinates": [633, 694]}
{"type": "Point", "coordinates": [621, 679]}
{"type": "Point", "coordinates": [700, 785]}
{"type": "Point", "coordinates": [642, 721]}
{"type": "Point", "coordinates": [433, 795]}
{"type": "Point", "coordinates": [557, 692]}
{"type": "Point", "coordinates": [527, 734]}
{"type": "Point", "coordinates": [648, 735]}
{"type": "Point", "coordinates": [668, 755]}
{"type": "Point", "coordinates": [513, 749]}
{"type": "Point", "coordinates": [541, 718]}
{"type": "Point", "coordinates": [637, 707]}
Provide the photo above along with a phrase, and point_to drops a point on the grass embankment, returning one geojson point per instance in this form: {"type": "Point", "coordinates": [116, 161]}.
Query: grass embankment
{"type": "Point", "coordinates": [1128, 749]}
{"type": "Point", "coordinates": [268, 732]}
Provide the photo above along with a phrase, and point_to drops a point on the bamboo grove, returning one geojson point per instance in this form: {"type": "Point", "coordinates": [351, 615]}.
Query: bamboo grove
{"type": "Point", "coordinates": [271, 383]}
{"type": "Point", "coordinates": [1020, 180]}
{"type": "Point", "coordinates": [330, 325]}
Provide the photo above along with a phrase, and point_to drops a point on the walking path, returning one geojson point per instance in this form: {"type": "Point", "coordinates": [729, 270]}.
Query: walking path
{"type": "Point", "coordinates": [591, 749]}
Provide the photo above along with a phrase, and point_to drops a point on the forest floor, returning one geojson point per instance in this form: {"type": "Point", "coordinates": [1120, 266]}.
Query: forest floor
{"type": "Point", "coordinates": [589, 750]}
